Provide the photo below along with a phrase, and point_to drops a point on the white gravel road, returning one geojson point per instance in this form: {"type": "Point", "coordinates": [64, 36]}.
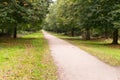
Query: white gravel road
{"type": "Point", "coordinates": [76, 64]}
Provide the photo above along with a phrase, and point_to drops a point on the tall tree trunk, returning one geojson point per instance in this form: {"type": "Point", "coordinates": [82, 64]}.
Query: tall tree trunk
{"type": "Point", "coordinates": [15, 32]}
{"type": "Point", "coordinates": [87, 34]}
{"type": "Point", "coordinates": [72, 32]}
{"type": "Point", "coordinates": [115, 36]}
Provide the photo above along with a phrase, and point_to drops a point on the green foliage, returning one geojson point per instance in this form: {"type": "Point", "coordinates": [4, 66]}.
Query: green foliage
{"type": "Point", "coordinates": [86, 15]}
{"type": "Point", "coordinates": [61, 17]}
{"type": "Point", "coordinates": [13, 13]}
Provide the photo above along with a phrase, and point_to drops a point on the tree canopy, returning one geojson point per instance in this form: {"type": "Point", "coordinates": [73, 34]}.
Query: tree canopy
{"type": "Point", "coordinates": [13, 13]}
{"type": "Point", "coordinates": [91, 17]}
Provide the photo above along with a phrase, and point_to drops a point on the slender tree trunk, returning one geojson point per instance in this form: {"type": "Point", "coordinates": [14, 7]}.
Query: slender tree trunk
{"type": "Point", "coordinates": [15, 32]}
{"type": "Point", "coordinates": [115, 36]}
{"type": "Point", "coordinates": [87, 34]}
{"type": "Point", "coordinates": [72, 32]}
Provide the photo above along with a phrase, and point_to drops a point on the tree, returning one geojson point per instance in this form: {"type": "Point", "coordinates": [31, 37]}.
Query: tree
{"type": "Point", "coordinates": [63, 18]}
{"type": "Point", "coordinates": [108, 17]}
{"type": "Point", "coordinates": [17, 12]}
{"type": "Point", "coordinates": [115, 13]}
{"type": "Point", "coordinates": [87, 15]}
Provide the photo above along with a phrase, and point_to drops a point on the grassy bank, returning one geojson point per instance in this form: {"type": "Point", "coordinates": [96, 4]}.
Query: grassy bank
{"type": "Point", "coordinates": [26, 58]}
{"type": "Point", "coordinates": [102, 49]}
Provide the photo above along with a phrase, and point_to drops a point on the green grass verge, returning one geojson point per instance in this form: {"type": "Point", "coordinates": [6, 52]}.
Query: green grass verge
{"type": "Point", "coordinates": [102, 49]}
{"type": "Point", "coordinates": [26, 58]}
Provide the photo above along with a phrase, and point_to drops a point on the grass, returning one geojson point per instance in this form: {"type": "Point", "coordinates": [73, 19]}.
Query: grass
{"type": "Point", "coordinates": [102, 49]}
{"type": "Point", "coordinates": [26, 58]}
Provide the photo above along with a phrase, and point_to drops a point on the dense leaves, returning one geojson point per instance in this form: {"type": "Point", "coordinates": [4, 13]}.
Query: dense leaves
{"type": "Point", "coordinates": [89, 18]}
{"type": "Point", "coordinates": [14, 13]}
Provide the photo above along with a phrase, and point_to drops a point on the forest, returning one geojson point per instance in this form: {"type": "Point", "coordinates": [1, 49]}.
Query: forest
{"type": "Point", "coordinates": [59, 39]}
{"type": "Point", "coordinates": [21, 15]}
{"type": "Point", "coordinates": [87, 18]}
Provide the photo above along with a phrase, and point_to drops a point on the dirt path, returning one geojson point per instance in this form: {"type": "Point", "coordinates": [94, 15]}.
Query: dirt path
{"type": "Point", "coordinates": [76, 64]}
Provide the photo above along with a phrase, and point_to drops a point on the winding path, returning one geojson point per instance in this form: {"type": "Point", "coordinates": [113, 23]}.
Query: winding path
{"type": "Point", "coordinates": [76, 64]}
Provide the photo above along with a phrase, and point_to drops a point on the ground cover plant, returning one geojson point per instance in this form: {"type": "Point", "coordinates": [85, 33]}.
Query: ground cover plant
{"type": "Point", "coordinates": [26, 58]}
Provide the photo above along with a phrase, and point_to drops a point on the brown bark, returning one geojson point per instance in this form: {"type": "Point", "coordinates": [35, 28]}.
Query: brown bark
{"type": "Point", "coordinates": [115, 36]}
{"type": "Point", "coordinates": [15, 32]}
{"type": "Point", "coordinates": [87, 34]}
{"type": "Point", "coordinates": [72, 33]}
